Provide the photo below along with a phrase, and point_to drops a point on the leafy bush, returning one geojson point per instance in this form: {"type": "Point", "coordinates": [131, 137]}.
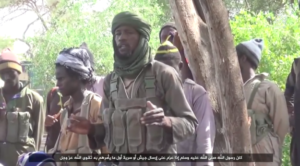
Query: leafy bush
{"type": "Point", "coordinates": [77, 26]}
{"type": "Point", "coordinates": [281, 37]}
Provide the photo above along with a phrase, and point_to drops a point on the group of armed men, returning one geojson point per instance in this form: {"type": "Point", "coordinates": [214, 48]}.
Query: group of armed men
{"type": "Point", "coordinates": [147, 105]}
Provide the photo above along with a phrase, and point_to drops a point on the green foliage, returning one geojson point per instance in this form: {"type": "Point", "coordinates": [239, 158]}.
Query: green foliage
{"type": "Point", "coordinates": [76, 25]}
{"type": "Point", "coordinates": [256, 6]}
{"type": "Point", "coordinates": [5, 42]}
{"type": "Point", "coordinates": [286, 152]}
{"type": "Point", "coordinates": [281, 37]}
{"type": "Point", "coordinates": [71, 25]}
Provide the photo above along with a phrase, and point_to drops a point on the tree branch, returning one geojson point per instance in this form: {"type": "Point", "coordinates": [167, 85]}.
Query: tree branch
{"type": "Point", "coordinates": [30, 24]}
{"type": "Point", "coordinates": [14, 17]}
{"type": "Point", "coordinates": [11, 11]}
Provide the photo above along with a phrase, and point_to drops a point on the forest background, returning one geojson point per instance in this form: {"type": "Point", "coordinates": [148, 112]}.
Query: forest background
{"type": "Point", "coordinates": [67, 23]}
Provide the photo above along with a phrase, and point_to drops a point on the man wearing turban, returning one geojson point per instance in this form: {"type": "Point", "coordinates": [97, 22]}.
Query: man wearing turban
{"type": "Point", "coordinates": [55, 100]}
{"type": "Point", "coordinates": [73, 73]}
{"type": "Point", "coordinates": [144, 106]}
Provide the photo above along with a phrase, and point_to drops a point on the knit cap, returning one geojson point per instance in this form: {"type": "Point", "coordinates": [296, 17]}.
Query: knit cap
{"type": "Point", "coordinates": [9, 60]}
{"type": "Point", "coordinates": [255, 47]}
{"type": "Point", "coordinates": [167, 48]}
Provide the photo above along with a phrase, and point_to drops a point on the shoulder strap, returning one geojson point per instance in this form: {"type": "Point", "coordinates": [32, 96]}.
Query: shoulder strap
{"type": "Point", "coordinates": [63, 115]}
{"type": "Point", "coordinates": [60, 99]}
{"type": "Point", "coordinates": [150, 81]}
{"type": "Point", "coordinates": [53, 90]}
{"type": "Point", "coordinates": [113, 88]}
{"type": "Point", "coordinates": [252, 95]}
{"type": "Point", "coordinates": [24, 102]}
{"type": "Point", "coordinates": [83, 140]}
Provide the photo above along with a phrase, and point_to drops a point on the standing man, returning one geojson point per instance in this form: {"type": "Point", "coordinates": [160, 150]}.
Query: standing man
{"type": "Point", "coordinates": [55, 102]}
{"type": "Point", "coordinates": [292, 98]}
{"type": "Point", "coordinates": [202, 142]}
{"type": "Point", "coordinates": [144, 106]}
{"type": "Point", "coordinates": [265, 101]}
{"type": "Point", "coordinates": [169, 32]}
{"type": "Point", "coordinates": [22, 116]}
{"type": "Point", "coordinates": [73, 73]}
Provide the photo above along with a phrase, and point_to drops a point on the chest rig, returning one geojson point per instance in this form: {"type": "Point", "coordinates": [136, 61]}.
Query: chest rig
{"type": "Point", "coordinates": [124, 131]}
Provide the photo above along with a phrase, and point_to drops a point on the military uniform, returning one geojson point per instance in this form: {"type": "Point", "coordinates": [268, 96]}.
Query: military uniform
{"type": "Point", "coordinates": [123, 107]}
{"type": "Point", "coordinates": [21, 129]}
{"type": "Point", "coordinates": [269, 123]}
{"type": "Point", "coordinates": [22, 116]}
{"type": "Point", "coordinates": [265, 103]}
{"type": "Point", "coordinates": [124, 133]}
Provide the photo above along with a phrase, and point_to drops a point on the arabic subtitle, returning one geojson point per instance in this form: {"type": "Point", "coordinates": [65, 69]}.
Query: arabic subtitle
{"type": "Point", "coordinates": [164, 157]}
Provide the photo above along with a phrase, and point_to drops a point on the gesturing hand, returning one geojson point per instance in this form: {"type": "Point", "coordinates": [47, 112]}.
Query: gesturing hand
{"type": "Point", "coordinates": [50, 120]}
{"type": "Point", "coordinates": [155, 116]}
{"type": "Point", "coordinates": [79, 125]}
{"type": "Point", "coordinates": [177, 42]}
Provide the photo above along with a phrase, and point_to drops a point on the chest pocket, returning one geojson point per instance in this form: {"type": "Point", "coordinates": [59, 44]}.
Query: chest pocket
{"type": "Point", "coordinates": [18, 124]}
{"type": "Point", "coordinates": [124, 131]}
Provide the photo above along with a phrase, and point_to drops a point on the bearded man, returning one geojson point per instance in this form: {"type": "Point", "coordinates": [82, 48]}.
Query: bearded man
{"type": "Point", "coordinates": [144, 106]}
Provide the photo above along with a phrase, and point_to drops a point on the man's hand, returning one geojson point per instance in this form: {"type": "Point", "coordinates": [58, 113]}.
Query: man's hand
{"type": "Point", "coordinates": [155, 116]}
{"type": "Point", "coordinates": [79, 125]}
{"type": "Point", "coordinates": [50, 120]}
{"type": "Point", "coordinates": [177, 42]}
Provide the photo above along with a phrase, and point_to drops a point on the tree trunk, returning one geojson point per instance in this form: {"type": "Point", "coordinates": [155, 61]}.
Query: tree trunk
{"type": "Point", "coordinates": [210, 50]}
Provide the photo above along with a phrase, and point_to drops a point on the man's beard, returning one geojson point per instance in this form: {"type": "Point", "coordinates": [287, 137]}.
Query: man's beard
{"type": "Point", "coordinates": [123, 56]}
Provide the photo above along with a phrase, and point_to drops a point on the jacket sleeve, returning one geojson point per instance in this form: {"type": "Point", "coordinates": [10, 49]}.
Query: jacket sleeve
{"type": "Point", "coordinates": [276, 104]}
{"type": "Point", "coordinates": [48, 102]}
{"type": "Point", "coordinates": [39, 120]}
{"type": "Point", "coordinates": [289, 93]}
{"type": "Point", "coordinates": [97, 131]}
{"type": "Point", "coordinates": [183, 120]}
{"type": "Point", "coordinates": [96, 119]}
{"type": "Point", "coordinates": [205, 133]}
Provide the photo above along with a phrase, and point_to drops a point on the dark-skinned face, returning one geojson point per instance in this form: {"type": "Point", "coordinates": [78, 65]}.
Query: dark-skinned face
{"type": "Point", "coordinates": [67, 85]}
{"type": "Point", "coordinates": [126, 39]}
{"type": "Point", "coordinates": [10, 78]}
{"type": "Point", "coordinates": [243, 63]}
{"type": "Point", "coordinates": [166, 32]}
